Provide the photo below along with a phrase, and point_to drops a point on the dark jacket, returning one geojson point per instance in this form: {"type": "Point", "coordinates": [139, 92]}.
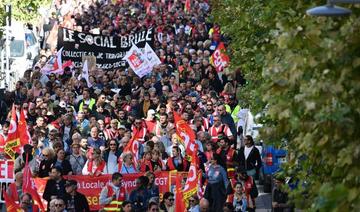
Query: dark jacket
{"type": "Point", "coordinates": [65, 167]}
{"type": "Point", "coordinates": [45, 167]}
{"type": "Point", "coordinates": [229, 121]}
{"type": "Point", "coordinates": [140, 198]}
{"type": "Point", "coordinates": [252, 162]}
{"type": "Point", "coordinates": [80, 202]}
{"type": "Point", "coordinates": [54, 188]}
{"type": "Point", "coordinates": [106, 154]}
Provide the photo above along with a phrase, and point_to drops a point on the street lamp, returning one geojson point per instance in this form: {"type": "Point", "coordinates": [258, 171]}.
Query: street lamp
{"type": "Point", "coordinates": [330, 9]}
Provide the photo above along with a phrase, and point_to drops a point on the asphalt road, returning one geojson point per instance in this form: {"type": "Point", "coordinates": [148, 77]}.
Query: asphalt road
{"type": "Point", "coordinates": [263, 201]}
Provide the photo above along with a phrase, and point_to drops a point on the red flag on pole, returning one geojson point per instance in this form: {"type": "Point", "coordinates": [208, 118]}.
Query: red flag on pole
{"type": "Point", "coordinates": [219, 59]}
{"type": "Point", "coordinates": [179, 197]}
{"type": "Point", "coordinates": [23, 130]}
{"type": "Point", "coordinates": [191, 185]}
{"type": "Point", "coordinates": [10, 203]}
{"type": "Point", "coordinates": [29, 185]}
{"type": "Point", "coordinates": [13, 140]}
{"type": "Point", "coordinates": [185, 133]}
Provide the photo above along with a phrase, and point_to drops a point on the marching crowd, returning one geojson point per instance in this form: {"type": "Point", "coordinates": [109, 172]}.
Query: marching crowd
{"type": "Point", "coordinates": [78, 129]}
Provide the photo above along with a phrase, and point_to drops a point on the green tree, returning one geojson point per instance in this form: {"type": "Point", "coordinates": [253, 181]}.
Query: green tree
{"type": "Point", "coordinates": [306, 71]}
{"type": "Point", "coordinates": [24, 10]}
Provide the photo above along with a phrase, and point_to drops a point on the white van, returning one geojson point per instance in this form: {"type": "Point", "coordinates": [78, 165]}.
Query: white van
{"type": "Point", "coordinates": [24, 47]}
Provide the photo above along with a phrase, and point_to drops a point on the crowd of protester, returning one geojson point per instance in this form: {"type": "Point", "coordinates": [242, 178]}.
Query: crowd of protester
{"type": "Point", "coordinates": [81, 130]}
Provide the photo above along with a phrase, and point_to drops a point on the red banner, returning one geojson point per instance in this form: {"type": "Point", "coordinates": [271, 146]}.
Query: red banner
{"type": "Point", "coordinates": [219, 59]}
{"type": "Point", "coordinates": [91, 186]}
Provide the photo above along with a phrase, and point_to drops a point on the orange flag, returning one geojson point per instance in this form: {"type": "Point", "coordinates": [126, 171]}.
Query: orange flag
{"type": "Point", "coordinates": [12, 145]}
{"type": "Point", "coordinates": [11, 205]}
{"type": "Point", "coordinates": [23, 130]}
{"type": "Point", "coordinates": [179, 198]}
{"type": "Point", "coordinates": [29, 186]}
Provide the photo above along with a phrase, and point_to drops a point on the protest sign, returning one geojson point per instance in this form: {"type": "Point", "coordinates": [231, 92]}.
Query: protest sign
{"type": "Point", "coordinates": [91, 186]}
{"type": "Point", "coordinates": [138, 61]}
{"type": "Point", "coordinates": [109, 51]}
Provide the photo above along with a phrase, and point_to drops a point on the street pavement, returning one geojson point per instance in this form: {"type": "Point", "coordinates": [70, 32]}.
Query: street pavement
{"type": "Point", "coordinates": [263, 201]}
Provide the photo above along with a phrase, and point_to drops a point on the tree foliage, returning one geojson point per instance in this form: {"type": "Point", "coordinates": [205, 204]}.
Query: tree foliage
{"type": "Point", "coordinates": [23, 10]}
{"type": "Point", "coordinates": [306, 70]}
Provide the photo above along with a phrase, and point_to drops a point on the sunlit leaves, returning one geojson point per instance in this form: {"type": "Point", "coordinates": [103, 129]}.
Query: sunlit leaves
{"type": "Point", "coordinates": [306, 70]}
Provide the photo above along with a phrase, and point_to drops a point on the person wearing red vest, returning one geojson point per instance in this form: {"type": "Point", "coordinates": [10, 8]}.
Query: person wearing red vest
{"type": "Point", "coordinates": [218, 128]}
{"type": "Point", "coordinates": [139, 130]}
{"type": "Point", "coordinates": [154, 164]}
{"type": "Point", "coordinates": [113, 194]}
{"type": "Point", "coordinates": [94, 166]}
{"type": "Point", "coordinates": [177, 162]}
{"type": "Point", "coordinates": [227, 154]}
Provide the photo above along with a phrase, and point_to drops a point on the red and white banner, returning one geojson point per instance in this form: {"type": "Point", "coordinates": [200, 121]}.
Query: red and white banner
{"type": "Point", "coordinates": [219, 59]}
{"type": "Point", "coordinates": [138, 61]}
{"type": "Point", "coordinates": [91, 186]}
{"type": "Point", "coordinates": [6, 176]}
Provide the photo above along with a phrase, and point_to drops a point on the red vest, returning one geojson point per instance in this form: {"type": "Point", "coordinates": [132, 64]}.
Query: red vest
{"type": "Point", "coordinates": [172, 166]}
{"type": "Point", "coordinates": [148, 163]}
{"type": "Point", "coordinates": [100, 168]}
{"type": "Point", "coordinates": [214, 132]}
{"type": "Point", "coordinates": [115, 204]}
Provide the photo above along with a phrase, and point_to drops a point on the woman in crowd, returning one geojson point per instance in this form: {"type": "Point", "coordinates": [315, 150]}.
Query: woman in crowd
{"type": "Point", "coordinates": [47, 162]}
{"type": "Point", "coordinates": [127, 165]}
{"type": "Point", "coordinates": [95, 165]}
{"type": "Point", "coordinates": [111, 157]}
{"type": "Point", "coordinates": [167, 205]}
{"type": "Point", "coordinates": [153, 189]}
{"type": "Point", "coordinates": [194, 203]}
{"type": "Point", "coordinates": [63, 163]}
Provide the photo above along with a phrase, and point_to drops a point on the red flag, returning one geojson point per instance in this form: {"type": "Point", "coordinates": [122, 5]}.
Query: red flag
{"type": "Point", "coordinates": [179, 197]}
{"type": "Point", "coordinates": [133, 147]}
{"type": "Point", "coordinates": [29, 186]}
{"type": "Point", "coordinates": [187, 6]}
{"type": "Point", "coordinates": [11, 205]}
{"type": "Point", "coordinates": [58, 67]}
{"type": "Point", "coordinates": [192, 178]}
{"type": "Point", "coordinates": [185, 133]}
{"type": "Point", "coordinates": [13, 140]}
{"type": "Point", "coordinates": [219, 59]}
{"type": "Point", "coordinates": [23, 130]}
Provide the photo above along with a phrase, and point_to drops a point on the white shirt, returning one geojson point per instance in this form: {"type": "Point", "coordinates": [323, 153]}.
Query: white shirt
{"type": "Point", "coordinates": [247, 151]}
{"type": "Point", "coordinates": [111, 166]}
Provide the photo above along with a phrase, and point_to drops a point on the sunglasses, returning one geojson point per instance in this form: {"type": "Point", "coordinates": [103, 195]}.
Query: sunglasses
{"type": "Point", "coordinates": [171, 199]}
{"type": "Point", "coordinates": [59, 205]}
{"type": "Point", "coordinates": [112, 144]}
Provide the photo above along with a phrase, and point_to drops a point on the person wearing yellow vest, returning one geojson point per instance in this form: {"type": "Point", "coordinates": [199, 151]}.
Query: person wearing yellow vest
{"type": "Point", "coordinates": [86, 100]}
{"type": "Point", "coordinates": [113, 194]}
{"type": "Point", "coordinates": [233, 108]}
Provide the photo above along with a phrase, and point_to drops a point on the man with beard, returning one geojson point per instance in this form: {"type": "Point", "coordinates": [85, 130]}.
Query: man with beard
{"type": "Point", "coordinates": [162, 125]}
